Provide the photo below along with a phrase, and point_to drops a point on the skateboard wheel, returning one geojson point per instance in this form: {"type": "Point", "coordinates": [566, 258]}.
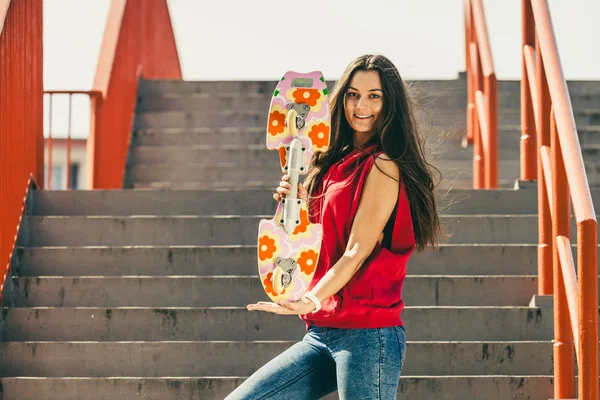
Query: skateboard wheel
{"type": "Point", "coordinates": [277, 280]}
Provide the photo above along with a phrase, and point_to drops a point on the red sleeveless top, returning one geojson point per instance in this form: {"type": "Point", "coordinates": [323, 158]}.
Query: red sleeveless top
{"type": "Point", "coordinates": [373, 297]}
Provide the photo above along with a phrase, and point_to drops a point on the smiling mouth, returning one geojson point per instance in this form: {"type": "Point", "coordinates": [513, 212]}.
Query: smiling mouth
{"type": "Point", "coordinates": [363, 116]}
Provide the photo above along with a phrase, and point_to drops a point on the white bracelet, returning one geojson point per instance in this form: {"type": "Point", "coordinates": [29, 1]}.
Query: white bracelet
{"type": "Point", "coordinates": [314, 299]}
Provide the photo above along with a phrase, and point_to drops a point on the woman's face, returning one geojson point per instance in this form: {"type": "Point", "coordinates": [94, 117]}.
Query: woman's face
{"type": "Point", "coordinates": [363, 104]}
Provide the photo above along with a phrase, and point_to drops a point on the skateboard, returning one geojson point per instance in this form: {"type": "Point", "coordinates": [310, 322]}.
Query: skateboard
{"type": "Point", "coordinates": [289, 244]}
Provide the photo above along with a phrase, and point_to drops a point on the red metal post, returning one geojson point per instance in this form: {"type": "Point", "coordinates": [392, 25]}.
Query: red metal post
{"type": "Point", "coordinates": [545, 285]}
{"type": "Point", "coordinates": [491, 110]}
{"type": "Point", "coordinates": [93, 139]}
{"type": "Point", "coordinates": [587, 265]}
{"type": "Point", "coordinates": [469, 38]}
{"type": "Point", "coordinates": [70, 117]}
{"type": "Point", "coordinates": [564, 351]}
{"type": "Point", "coordinates": [528, 141]}
{"type": "Point", "coordinates": [478, 154]}
{"type": "Point", "coordinates": [49, 184]}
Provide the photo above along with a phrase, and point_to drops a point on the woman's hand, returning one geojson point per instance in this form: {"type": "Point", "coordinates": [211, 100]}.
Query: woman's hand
{"type": "Point", "coordinates": [284, 307]}
{"type": "Point", "coordinates": [284, 189]}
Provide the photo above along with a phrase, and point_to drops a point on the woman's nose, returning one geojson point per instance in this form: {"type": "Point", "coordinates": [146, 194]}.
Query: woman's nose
{"type": "Point", "coordinates": [362, 104]}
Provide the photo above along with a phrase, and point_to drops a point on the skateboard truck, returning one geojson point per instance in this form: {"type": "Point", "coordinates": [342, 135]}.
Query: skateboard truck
{"type": "Point", "coordinates": [302, 109]}
{"type": "Point", "coordinates": [282, 274]}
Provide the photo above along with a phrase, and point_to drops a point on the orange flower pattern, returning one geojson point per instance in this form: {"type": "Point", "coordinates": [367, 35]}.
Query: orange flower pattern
{"type": "Point", "coordinates": [319, 134]}
{"type": "Point", "coordinates": [308, 261]}
{"type": "Point", "coordinates": [304, 222]}
{"type": "Point", "coordinates": [282, 156]}
{"type": "Point", "coordinates": [276, 123]}
{"type": "Point", "coordinates": [266, 248]}
{"type": "Point", "coordinates": [308, 96]}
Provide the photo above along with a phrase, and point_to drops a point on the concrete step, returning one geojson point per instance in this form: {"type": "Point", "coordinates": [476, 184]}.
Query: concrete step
{"type": "Point", "coordinates": [430, 87]}
{"type": "Point", "coordinates": [508, 98]}
{"type": "Point", "coordinates": [439, 138]}
{"type": "Point", "coordinates": [239, 324]}
{"type": "Point", "coordinates": [456, 117]}
{"type": "Point", "coordinates": [236, 230]}
{"type": "Point", "coordinates": [204, 155]}
{"type": "Point", "coordinates": [427, 98]}
{"type": "Point", "coordinates": [252, 117]}
{"type": "Point", "coordinates": [159, 87]}
{"type": "Point", "coordinates": [229, 171]}
{"type": "Point", "coordinates": [226, 171]}
{"type": "Point", "coordinates": [199, 136]}
{"type": "Point", "coordinates": [243, 118]}
{"type": "Point", "coordinates": [509, 136]}
{"type": "Point", "coordinates": [214, 185]}
{"type": "Point", "coordinates": [444, 184]}
{"type": "Point", "coordinates": [215, 291]}
{"type": "Point", "coordinates": [205, 119]}
{"type": "Point", "coordinates": [235, 359]}
{"type": "Point", "coordinates": [209, 155]}
{"type": "Point", "coordinates": [248, 136]}
{"type": "Point", "coordinates": [482, 260]}
{"type": "Point", "coordinates": [217, 388]}
{"type": "Point", "coordinates": [198, 173]}
{"type": "Point", "coordinates": [204, 101]}
{"type": "Point", "coordinates": [251, 202]}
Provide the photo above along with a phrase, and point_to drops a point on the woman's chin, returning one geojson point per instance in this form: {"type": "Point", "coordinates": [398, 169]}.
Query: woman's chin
{"type": "Point", "coordinates": [363, 129]}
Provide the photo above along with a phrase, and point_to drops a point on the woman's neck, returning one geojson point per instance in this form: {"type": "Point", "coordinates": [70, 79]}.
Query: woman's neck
{"type": "Point", "coordinates": [361, 141]}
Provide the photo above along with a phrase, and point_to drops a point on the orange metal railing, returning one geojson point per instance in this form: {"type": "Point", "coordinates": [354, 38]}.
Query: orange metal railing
{"type": "Point", "coordinates": [549, 130]}
{"type": "Point", "coordinates": [138, 40]}
{"type": "Point", "coordinates": [138, 37]}
{"type": "Point", "coordinates": [482, 91]}
{"type": "Point", "coordinates": [21, 133]}
{"type": "Point", "coordinates": [96, 108]}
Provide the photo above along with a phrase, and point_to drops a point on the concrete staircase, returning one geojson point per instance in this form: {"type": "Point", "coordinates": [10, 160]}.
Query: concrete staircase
{"type": "Point", "coordinates": [141, 294]}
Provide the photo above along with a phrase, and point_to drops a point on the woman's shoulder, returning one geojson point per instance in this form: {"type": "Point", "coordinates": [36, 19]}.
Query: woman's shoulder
{"type": "Point", "coordinates": [386, 165]}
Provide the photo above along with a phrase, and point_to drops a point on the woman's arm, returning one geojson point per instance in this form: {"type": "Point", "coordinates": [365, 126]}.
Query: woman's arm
{"type": "Point", "coordinates": [376, 205]}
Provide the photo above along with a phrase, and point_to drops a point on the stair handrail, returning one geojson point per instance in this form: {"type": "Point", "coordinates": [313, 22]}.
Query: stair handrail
{"type": "Point", "coordinates": [482, 97]}
{"type": "Point", "coordinates": [549, 130]}
{"type": "Point", "coordinates": [138, 37]}
{"type": "Point", "coordinates": [21, 137]}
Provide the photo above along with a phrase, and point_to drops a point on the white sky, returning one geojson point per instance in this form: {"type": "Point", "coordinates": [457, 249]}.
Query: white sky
{"type": "Point", "coordinates": [244, 40]}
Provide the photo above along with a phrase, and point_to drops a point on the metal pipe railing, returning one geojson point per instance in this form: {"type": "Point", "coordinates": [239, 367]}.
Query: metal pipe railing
{"type": "Point", "coordinates": [95, 109]}
{"type": "Point", "coordinates": [482, 98]}
{"type": "Point", "coordinates": [547, 116]}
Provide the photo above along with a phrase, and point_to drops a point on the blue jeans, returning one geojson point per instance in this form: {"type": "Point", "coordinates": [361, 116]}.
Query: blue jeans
{"type": "Point", "coordinates": [360, 364]}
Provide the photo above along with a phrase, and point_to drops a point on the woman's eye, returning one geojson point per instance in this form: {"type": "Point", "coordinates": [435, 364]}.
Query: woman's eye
{"type": "Point", "coordinates": [375, 96]}
{"type": "Point", "coordinates": [351, 94]}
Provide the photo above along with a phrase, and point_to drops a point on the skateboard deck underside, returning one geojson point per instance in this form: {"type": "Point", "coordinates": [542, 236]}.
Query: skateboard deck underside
{"type": "Point", "coordinates": [307, 95]}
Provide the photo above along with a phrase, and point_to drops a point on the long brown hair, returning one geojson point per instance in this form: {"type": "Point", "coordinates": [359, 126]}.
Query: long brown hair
{"type": "Point", "coordinates": [397, 136]}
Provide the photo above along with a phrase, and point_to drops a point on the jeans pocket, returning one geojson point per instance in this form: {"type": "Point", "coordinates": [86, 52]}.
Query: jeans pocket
{"type": "Point", "coordinates": [401, 337]}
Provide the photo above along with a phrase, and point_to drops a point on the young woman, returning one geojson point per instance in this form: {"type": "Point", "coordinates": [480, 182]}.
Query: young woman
{"type": "Point", "coordinates": [373, 219]}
